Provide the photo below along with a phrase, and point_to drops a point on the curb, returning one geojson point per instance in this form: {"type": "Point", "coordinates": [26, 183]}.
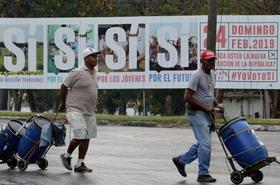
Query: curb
{"type": "Point", "coordinates": [269, 128]}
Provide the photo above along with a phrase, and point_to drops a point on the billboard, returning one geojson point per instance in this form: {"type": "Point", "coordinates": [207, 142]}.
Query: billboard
{"type": "Point", "coordinates": [138, 52]}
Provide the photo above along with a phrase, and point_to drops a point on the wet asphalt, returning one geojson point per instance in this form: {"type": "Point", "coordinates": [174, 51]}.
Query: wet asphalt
{"type": "Point", "coordinates": [122, 155]}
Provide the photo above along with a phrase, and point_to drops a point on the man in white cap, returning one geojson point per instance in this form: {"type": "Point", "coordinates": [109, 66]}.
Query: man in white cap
{"type": "Point", "coordinates": [78, 95]}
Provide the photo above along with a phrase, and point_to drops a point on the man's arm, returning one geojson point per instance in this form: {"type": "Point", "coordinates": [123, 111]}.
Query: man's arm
{"type": "Point", "coordinates": [215, 103]}
{"type": "Point", "coordinates": [63, 94]}
{"type": "Point", "coordinates": [219, 105]}
{"type": "Point", "coordinates": [102, 54]}
{"type": "Point", "coordinates": [188, 97]}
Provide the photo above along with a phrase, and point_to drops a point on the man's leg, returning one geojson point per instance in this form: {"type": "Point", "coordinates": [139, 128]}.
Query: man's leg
{"type": "Point", "coordinates": [86, 134]}
{"type": "Point", "coordinates": [192, 153]}
{"type": "Point", "coordinates": [203, 136]}
{"type": "Point", "coordinates": [83, 147]}
{"type": "Point", "coordinates": [77, 122]}
{"type": "Point", "coordinates": [187, 157]}
{"type": "Point", "coordinates": [66, 158]}
{"type": "Point", "coordinates": [73, 145]}
{"type": "Point", "coordinates": [80, 166]}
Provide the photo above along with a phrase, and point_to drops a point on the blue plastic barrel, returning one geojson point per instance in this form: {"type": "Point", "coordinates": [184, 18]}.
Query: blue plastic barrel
{"type": "Point", "coordinates": [242, 143]}
{"type": "Point", "coordinates": [29, 149]}
{"type": "Point", "coordinates": [10, 137]}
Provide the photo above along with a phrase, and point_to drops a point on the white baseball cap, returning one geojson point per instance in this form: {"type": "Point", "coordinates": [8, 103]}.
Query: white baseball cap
{"type": "Point", "coordinates": [89, 51]}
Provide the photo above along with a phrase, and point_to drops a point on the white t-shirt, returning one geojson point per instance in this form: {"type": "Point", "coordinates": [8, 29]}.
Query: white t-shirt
{"type": "Point", "coordinates": [102, 44]}
{"type": "Point", "coordinates": [179, 60]}
{"type": "Point", "coordinates": [141, 41]}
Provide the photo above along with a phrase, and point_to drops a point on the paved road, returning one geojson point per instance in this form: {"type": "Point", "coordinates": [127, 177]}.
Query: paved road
{"type": "Point", "coordinates": [137, 156]}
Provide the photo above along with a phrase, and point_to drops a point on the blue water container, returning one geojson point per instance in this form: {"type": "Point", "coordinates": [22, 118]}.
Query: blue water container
{"type": "Point", "coordinates": [10, 137]}
{"type": "Point", "coordinates": [29, 149]}
{"type": "Point", "coordinates": [242, 143]}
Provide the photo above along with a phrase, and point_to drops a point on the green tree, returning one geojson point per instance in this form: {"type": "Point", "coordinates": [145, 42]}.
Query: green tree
{"type": "Point", "coordinates": [3, 99]}
{"type": "Point", "coordinates": [59, 8]}
{"type": "Point", "coordinates": [106, 102]}
{"type": "Point", "coordinates": [112, 100]}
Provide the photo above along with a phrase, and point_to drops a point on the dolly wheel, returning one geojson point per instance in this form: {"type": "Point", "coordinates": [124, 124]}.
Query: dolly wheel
{"type": "Point", "coordinates": [257, 176]}
{"type": "Point", "coordinates": [236, 177]}
{"type": "Point", "coordinates": [22, 165]}
{"type": "Point", "coordinates": [43, 163]}
{"type": "Point", "coordinates": [12, 162]}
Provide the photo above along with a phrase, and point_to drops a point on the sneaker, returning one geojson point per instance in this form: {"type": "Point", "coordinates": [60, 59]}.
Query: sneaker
{"type": "Point", "coordinates": [205, 178]}
{"type": "Point", "coordinates": [180, 166]}
{"type": "Point", "coordinates": [66, 161]}
{"type": "Point", "coordinates": [82, 169]}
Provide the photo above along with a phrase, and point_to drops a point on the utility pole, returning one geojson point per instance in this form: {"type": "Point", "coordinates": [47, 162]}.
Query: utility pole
{"type": "Point", "coordinates": [211, 36]}
{"type": "Point", "coordinates": [212, 22]}
{"type": "Point", "coordinates": [144, 103]}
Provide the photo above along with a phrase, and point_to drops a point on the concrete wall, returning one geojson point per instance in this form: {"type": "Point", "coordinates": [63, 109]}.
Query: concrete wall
{"type": "Point", "coordinates": [249, 107]}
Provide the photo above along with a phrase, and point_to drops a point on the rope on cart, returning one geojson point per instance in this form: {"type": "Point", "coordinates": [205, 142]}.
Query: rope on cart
{"type": "Point", "coordinates": [255, 148]}
{"type": "Point", "coordinates": [31, 151]}
{"type": "Point", "coordinates": [237, 133]}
